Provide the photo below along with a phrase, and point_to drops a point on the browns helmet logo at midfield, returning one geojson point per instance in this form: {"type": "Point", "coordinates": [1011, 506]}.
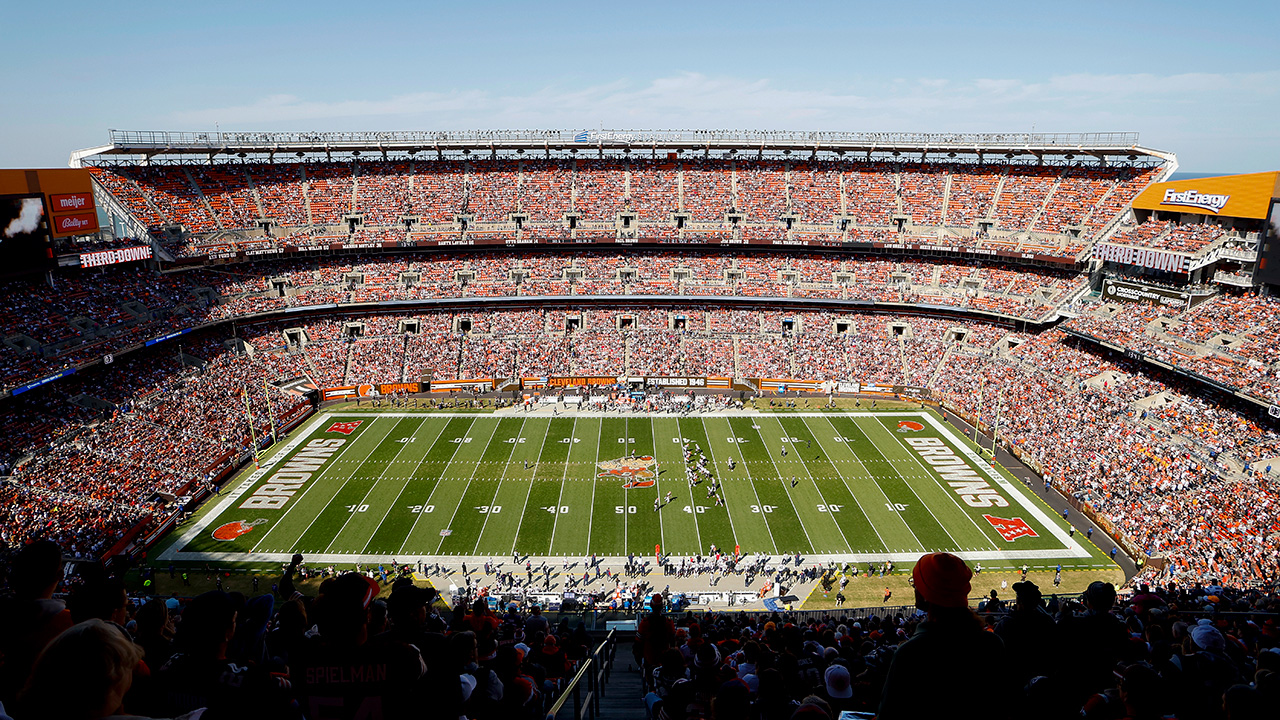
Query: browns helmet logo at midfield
{"type": "Point", "coordinates": [637, 471]}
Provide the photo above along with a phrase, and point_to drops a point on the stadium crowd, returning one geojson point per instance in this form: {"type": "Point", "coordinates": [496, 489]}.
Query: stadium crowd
{"type": "Point", "coordinates": [691, 199]}
{"type": "Point", "coordinates": [1195, 652]}
{"type": "Point", "coordinates": [1191, 652]}
{"type": "Point", "coordinates": [87, 315]}
{"type": "Point", "coordinates": [345, 653]}
{"type": "Point", "coordinates": [1179, 476]}
{"type": "Point", "coordinates": [1229, 338]}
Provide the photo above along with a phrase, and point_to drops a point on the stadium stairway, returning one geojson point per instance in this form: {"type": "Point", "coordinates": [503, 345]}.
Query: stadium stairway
{"type": "Point", "coordinates": [624, 698]}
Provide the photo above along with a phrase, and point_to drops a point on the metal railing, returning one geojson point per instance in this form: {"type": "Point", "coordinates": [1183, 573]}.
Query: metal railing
{"type": "Point", "coordinates": [587, 687]}
{"type": "Point", "coordinates": [162, 139]}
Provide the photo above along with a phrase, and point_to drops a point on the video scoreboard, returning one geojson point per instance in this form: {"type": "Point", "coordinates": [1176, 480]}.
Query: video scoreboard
{"type": "Point", "coordinates": [37, 206]}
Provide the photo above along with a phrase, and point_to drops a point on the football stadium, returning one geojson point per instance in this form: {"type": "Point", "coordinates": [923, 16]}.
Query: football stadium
{"type": "Point", "coordinates": [774, 402]}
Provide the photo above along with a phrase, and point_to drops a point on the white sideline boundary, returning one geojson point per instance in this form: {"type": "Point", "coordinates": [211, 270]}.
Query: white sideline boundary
{"type": "Point", "coordinates": [1073, 548]}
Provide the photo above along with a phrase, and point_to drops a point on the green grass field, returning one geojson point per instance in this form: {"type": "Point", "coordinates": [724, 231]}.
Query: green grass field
{"type": "Point", "coordinates": [411, 486]}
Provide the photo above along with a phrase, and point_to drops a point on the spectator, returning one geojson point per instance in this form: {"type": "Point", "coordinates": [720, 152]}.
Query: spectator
{"type": "Point", "coordinates": [97, 659]}
{"type": "Point", "coordinates": [32, 618]}
{"type": "Point", "coordinates": [950, 651]}
{"type": "Point", "coordinates": [341, 674]}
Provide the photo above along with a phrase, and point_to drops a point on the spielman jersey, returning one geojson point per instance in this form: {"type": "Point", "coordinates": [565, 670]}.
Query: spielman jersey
{"type": "Point", "coordinates": [374, 681]}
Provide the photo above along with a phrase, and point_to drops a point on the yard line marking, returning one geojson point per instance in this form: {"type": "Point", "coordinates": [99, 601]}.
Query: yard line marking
{"type": "Point", "coordinates": [523, 508]}
{"type": "Point", "coordinates": [439, 481]}
{"type": "Point", "coordinates": [407, 480]}
{"type": "Point", "coordinates": [903, 478]}
{"type": "Point", "coordinates": [594, 480]}
{"type": "Point", "coordinates": [763, 519]}
{"type": "Point", "coordinates": [658, 484]}
{"type": "Point", "coordinates": [949, 494]}
{"type": "Point", "coordinates": [563, 477]}
{"type": "Point", "coordinates": [777, 471]}
{"type": "Point", "coordinates": [875, 481]}
{"type": "Point", "coordinates": [487, 515]}
{"type": "Point", "coordinates": [786, 488]}
{"type": "Point", "coordinates": [351, 516]}
{"type": "Point", "coordinates": [854, 495]}
{"type": "Point", "coordinates": [297, 501]}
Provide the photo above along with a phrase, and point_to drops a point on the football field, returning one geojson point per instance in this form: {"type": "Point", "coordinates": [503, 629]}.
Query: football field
{"type": "Point", "coordinates": [857, 486]}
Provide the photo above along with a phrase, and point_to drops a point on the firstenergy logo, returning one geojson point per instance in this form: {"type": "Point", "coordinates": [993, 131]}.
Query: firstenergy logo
{"type": "Point", "coordinates": [1212, 203]}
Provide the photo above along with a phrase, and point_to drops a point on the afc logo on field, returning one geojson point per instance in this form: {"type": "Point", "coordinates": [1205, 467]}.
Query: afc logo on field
{"type": "Point", "coordinates": [1011, 528]}
{"type": "Point", "coordinates": [346, 428]}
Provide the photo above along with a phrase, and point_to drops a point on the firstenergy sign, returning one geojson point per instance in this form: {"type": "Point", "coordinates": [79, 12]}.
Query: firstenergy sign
{"type": "Point", "coordinates": [1193, 198]}
{"type": "Point", "coordinates": [1235, 196]}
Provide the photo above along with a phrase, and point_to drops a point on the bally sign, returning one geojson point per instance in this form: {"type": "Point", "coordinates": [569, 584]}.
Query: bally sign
{"type": "Point", "coordinates": [75, 224]}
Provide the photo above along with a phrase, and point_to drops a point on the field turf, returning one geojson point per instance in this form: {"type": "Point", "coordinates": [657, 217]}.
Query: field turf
{"type": "Point", "coordinates": [410, 486]}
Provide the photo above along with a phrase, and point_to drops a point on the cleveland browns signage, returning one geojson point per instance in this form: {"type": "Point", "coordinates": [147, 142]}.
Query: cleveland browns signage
{"type": "Point", "coordinates": [291, 476]}
{"type": "Point", "coordinates": [963, 480]}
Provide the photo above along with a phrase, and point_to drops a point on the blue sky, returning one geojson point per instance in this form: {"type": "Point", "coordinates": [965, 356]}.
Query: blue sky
{"type": "Point", "coordinates": [1200, 79]}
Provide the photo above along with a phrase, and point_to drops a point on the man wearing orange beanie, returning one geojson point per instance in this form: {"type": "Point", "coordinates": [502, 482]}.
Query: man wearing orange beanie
{"type": "Point", "coordinates": [951, 667]}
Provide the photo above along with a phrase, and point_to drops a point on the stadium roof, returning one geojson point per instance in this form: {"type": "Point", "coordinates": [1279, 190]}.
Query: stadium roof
{"type": "Point", "coordinates": [148, 144]}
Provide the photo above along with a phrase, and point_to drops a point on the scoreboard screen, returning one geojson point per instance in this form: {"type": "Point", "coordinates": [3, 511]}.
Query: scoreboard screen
{"type": "Point", "coordinates": [25, 246]}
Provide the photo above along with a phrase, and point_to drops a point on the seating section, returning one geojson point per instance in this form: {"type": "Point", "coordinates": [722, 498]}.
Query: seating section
{"type": "Point", "coordinates": [90, 314]}
{"type": "Point", "coordinates": [1230, 338]}
{"type": "Point", "coordinates": [1168, 235]}
{"type": "Point", "coordinates": [313, 198]}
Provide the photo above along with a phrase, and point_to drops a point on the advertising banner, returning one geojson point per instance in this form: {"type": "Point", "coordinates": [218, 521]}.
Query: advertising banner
{"type": "Point", "coordinates": [479, 385]}
{"type": "Point", "coordinates": [783, 385]}
{"type": "Point", "coordinates": [676, 382]}
{"type": "Point", "coordinates": [1241, 196]}
{"type": "Point", "coordinates": [1128, 292]}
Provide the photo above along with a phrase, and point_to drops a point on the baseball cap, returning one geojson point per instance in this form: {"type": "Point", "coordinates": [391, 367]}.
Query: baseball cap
{"type": "Point", "coordinates": [838, 682]}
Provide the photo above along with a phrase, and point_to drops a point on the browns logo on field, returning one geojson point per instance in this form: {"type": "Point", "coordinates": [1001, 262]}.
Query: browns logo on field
{"type": "Point", "coordinates": [635, 470]}
{"type": "Point", "coordinates": [235, 528]}
{"type": "Point", "coordinates": [909, 426]}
